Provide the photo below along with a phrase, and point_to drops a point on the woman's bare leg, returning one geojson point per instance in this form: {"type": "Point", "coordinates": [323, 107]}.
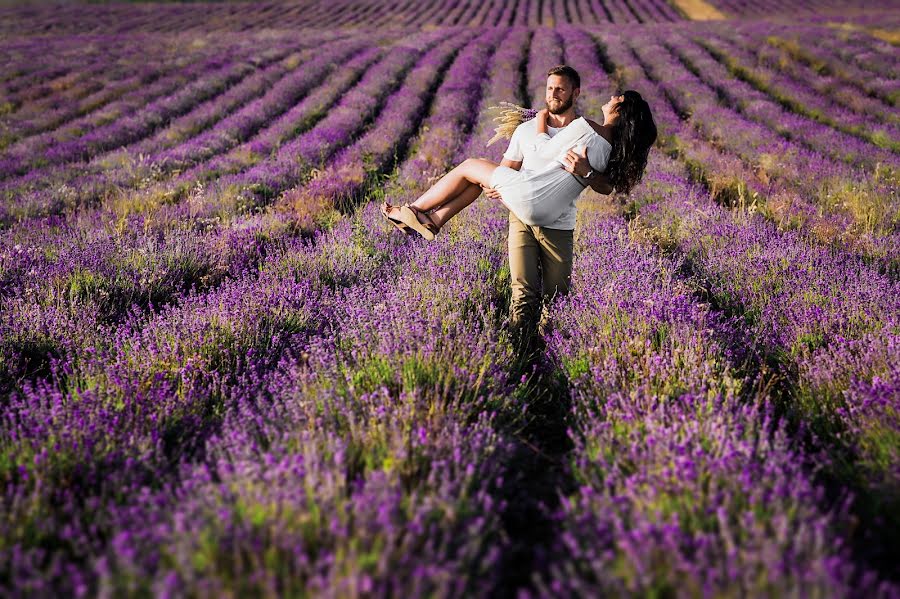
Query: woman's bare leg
{"type": "Point", "coordinates": [445, 211]}
{"type": "Point", "coordinates": [451, 208]}
{"type": "Point", "coordinates": [473, 171]}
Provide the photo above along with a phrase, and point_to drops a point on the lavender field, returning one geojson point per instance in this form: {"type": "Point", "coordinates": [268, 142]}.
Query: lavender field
{"type": "Point", "coordinates": [223, 374]}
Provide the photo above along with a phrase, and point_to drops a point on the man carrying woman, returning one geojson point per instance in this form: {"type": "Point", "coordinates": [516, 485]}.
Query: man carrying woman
{"type": "Point", "coordinates": [550, 160]}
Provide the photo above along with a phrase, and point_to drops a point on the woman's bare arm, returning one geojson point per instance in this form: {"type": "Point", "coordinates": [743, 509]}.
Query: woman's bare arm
{"type": "Point", "coordinates": [600, 184]}
{"type": "Point", "coordinates": [541, 120]}
{"type": "Point", "coordinates": [603, 131]}
{"type": "Point", "coordinates": [597, 127]}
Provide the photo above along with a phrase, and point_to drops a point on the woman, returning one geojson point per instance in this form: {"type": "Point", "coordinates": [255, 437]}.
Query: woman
{"type": "Point", "coordinates": [618, 148]}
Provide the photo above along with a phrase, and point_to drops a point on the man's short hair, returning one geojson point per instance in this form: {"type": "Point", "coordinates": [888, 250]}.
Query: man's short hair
{"type": "Point", "coordinates": [567, 72]}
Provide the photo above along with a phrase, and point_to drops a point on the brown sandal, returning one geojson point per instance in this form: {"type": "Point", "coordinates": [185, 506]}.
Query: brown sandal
{"type": "Point", "coordinates": [409, 215]}
{"type": "Point", "coordinates": [385, 212]}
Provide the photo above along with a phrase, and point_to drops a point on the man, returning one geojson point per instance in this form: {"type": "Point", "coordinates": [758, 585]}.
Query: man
{"type": "Point", "coordinates": [540, 258]}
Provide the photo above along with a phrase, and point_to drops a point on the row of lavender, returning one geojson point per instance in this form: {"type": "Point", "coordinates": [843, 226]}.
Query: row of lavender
{"type": "Point", "coordinates": [152, 253]}
{"type": "Point", "coordinates": [129, 277]}
{"type": "Point", "coordinates": [205, 145]}
{"type": "Point", "coordinates": [822, 320]}
{"type": "Point", "coordinates": [200, 377]}
{"type": "Point", "coordinates": [174, 451]}
{"type": "Point", "coordinates": [318, 405]}
{"type": "Point", "coordinates": [178, 131]}
{"type": "Point", "coordinates": [163, 18]}
{"type": "Point", "coordinates": [689, 479]}
{"type": "Point", "coordinates": [315, 145]}
{"type": "Point", "coordinates": [269, 128]}
{"type": "Point", "coordinates": [551, 44]}
{"type": "Point", "coordinates": [37, 119]}
{"type": "Point", "coordinates": [149, 261]}
{"type": "Point", "coordinates": [784, 141]}
{"type": "Point", "coordinates": [869, 293]}
{"type": "Point", "coordinates": [83, 75]}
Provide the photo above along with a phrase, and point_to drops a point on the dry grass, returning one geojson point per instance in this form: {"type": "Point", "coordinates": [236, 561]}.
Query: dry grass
{"type": "Point", "coordinates": [891, 36]}
{"type": "Point", "coordinates": [698, 10]}
{"type": "Point", "coordinates": [872, 207]}
{"type": "Point", "coordinates": [509, 116]}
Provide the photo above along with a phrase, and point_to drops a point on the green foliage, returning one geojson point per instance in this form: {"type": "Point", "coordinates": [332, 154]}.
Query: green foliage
{"type": "Point", "coordinates": [84, 285]}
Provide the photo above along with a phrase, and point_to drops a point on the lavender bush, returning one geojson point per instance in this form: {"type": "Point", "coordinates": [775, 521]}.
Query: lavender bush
{"type": "Point", "coordinates": [222, 374]}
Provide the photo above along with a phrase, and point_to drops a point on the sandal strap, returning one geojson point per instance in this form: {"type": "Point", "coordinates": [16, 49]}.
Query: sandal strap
{"type": "Point", "coordinates": [430, 224]}
{"type": "Point", "coordinates": [394, 221]}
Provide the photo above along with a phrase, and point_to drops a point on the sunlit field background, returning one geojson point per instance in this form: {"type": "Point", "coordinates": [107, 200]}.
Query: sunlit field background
{"type": "Point", "coordinates": [222, 374]}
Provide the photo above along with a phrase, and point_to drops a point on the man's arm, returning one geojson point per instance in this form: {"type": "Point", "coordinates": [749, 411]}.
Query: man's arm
{"type": "Point", "coordinates": [600, 184]}
{"type": "Point", "coordinates": [513, 164]}
{"type": "Point", "coordinates": [513, 149]}
{"type": "Point", "coordinates": [578, 165]}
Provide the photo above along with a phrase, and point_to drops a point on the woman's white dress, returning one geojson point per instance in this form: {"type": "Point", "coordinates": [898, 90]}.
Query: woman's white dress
{"type": "Point", "coordinates": [538, 196]}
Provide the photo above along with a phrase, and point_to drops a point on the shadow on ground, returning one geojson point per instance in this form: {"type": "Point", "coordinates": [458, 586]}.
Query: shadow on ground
{"type": "Point", "coordinates": [537, 476]}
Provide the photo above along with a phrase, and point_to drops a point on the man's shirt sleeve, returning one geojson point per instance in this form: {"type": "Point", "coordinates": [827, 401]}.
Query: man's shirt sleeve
{"type": "Point", "coordinates": [514, 151]}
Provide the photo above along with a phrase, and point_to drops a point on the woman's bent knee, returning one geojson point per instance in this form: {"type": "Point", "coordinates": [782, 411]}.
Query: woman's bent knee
{"type": "Point", "coordinates": [479, 171]}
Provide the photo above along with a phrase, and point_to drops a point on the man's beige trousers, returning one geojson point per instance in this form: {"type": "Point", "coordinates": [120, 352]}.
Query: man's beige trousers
{"type": "Point", "coordinates": [540, 264]}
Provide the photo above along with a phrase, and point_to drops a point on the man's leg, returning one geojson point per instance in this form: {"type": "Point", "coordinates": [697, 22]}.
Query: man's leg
{"type": "Point", "coordinates": [524, 260]}
{"type": "Point", "coordinates": [557, 248]}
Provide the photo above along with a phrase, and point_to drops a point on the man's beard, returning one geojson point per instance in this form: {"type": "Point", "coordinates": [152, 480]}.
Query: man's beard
{"type": "Point", "coordinates": [562, 107]}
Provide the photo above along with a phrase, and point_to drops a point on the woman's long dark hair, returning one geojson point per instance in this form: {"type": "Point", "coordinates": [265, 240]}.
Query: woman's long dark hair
{"type": "Point", "coordinates": [634, 132]}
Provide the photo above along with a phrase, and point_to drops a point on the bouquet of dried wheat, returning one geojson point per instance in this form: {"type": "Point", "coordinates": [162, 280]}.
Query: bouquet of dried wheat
{"type": "Point", "coordinates": [509, 116]}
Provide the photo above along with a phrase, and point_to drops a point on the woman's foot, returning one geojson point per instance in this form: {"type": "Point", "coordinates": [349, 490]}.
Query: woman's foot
{"type": "Point", "coordinates": [392, 214]}
{"type": "Point", "coordinates": [418, 221]}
